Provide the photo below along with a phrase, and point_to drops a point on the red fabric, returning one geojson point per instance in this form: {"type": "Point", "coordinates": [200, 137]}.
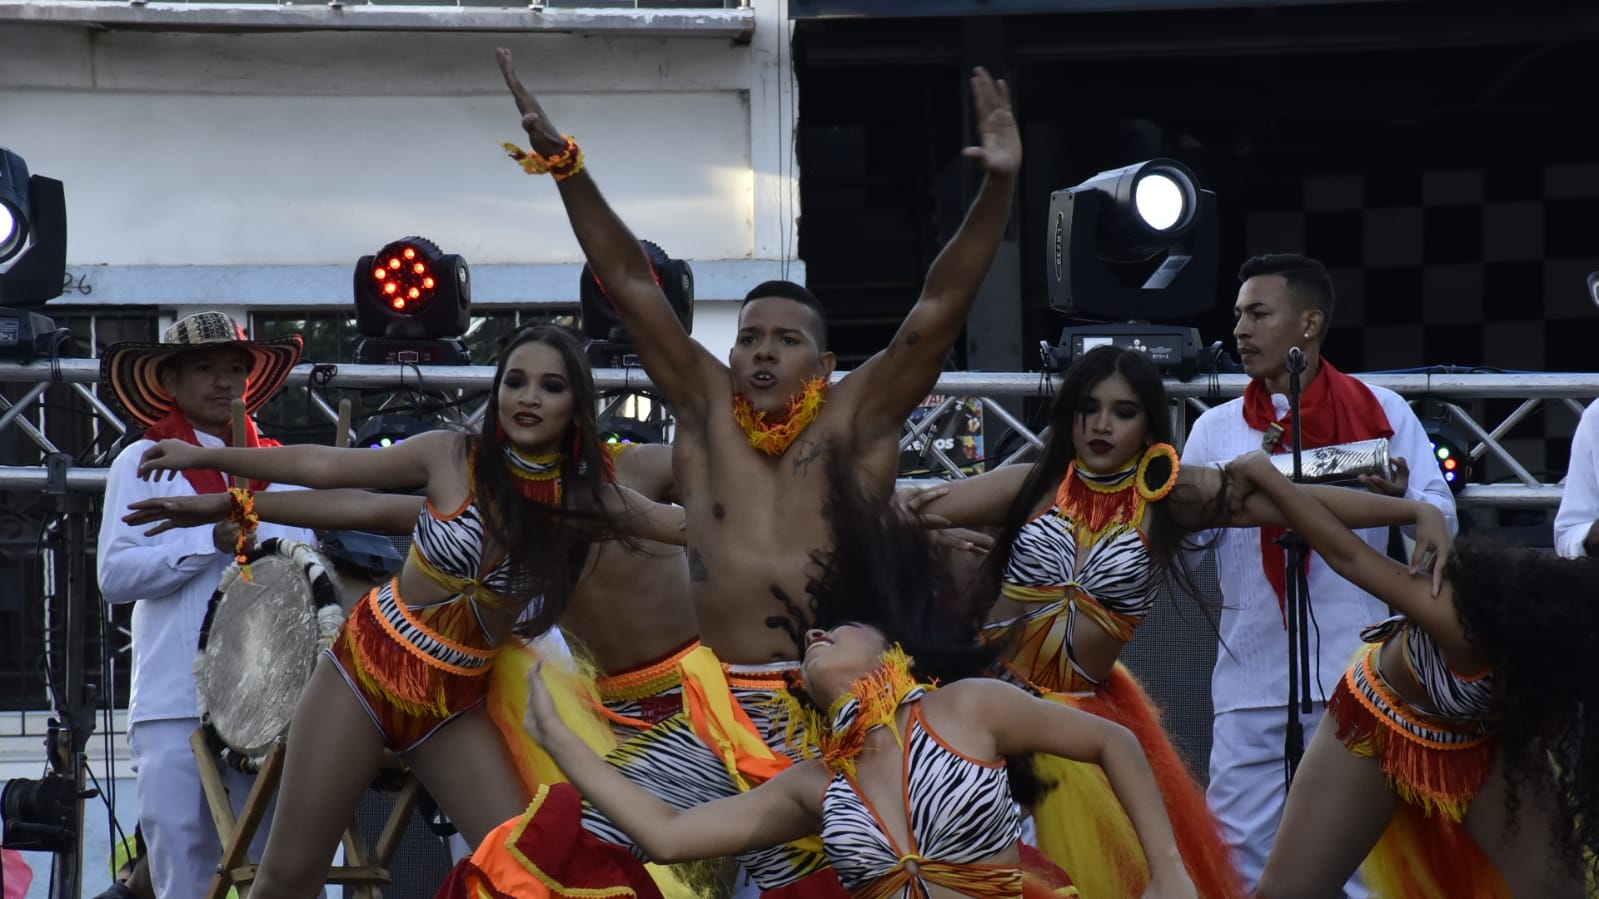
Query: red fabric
{"type": "Point", "coordinates": [175, 426]}
{"type": "Point", "coordinates": [550, 858]}
{"type": "Point", "coordinates": [824, 884]}
{"type": "Point", "coordinates": [1042, 878]}
{"type": "Point", "coordinates": [1336, 408]}
{"type": "Point", "coordinates": [18, 876]}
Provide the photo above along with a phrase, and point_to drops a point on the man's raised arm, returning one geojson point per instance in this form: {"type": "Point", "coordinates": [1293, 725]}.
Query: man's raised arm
{"type": "Point", "coordinates": [890, 384]}
{"type": "Point", "coordinates": [679, 367]}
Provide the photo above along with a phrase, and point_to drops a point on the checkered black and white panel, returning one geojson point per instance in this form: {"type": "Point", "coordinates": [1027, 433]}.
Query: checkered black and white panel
{"type": "Point", "coordinates": [1482, 266]}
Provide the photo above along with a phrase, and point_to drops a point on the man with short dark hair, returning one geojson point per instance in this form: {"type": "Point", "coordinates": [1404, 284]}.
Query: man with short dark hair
{"type": "Point", "coordinates": [1286, 301]}
{"type": "Point", "coordinates": [183, 387]}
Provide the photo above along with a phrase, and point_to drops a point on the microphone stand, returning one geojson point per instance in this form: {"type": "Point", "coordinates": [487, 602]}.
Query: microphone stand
{"type": "Point", "coordinates": [1296, 596]}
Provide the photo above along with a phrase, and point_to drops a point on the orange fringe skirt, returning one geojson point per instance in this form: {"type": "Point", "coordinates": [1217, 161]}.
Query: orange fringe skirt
{"type": "Point", "coordinates": [1082, 827]}
{"type": "Point", "coordinates": [1436, 770]}
{"type": "Point", "coordinates": [413, 669]}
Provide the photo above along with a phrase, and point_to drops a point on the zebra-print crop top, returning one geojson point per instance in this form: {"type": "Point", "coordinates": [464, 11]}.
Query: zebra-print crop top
{"type": "Point", "coordinates": [1452, 695]}
{"type": "Point", "coordinates": [449, 550]}
{"type": "Point", "coordinates": [1115, 571]}
{"type": "Point", "coordinates": [959, 812]}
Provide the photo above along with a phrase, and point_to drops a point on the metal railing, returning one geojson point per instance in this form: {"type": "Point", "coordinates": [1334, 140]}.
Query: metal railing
{"type": "Point", "coordinates": [1534, 394]}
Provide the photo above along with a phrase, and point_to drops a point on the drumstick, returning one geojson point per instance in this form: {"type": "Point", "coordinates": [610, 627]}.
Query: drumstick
{"type": "Point", "coordinates": [241, 435]}
{"type": "Point", "coordinates": [341, 437]}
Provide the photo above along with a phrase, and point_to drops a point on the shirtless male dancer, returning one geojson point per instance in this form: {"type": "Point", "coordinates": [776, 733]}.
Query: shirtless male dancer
{"type": "Point", "coordinates": [747, 455]}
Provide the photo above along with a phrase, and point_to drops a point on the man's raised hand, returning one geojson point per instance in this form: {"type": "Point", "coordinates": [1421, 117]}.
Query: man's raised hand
{"type": "Point", "coordinates": [545, 137]}
{"type": "Point", "coordinates": [999, 148]}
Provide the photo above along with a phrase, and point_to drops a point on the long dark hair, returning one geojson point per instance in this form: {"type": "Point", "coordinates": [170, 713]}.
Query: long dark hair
{"type": "Point", "coordinates": [547, 547]}
{"type": "Point", "coordinates": [1533, 615]}
{"type": "Point", "coordinates": [885, 572]}
{"type": "Point", "coordinates": [1165, 536]}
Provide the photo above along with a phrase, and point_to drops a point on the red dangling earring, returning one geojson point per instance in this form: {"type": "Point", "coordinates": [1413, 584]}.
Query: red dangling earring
{"type": "Point", "coordinates": [499, 430]}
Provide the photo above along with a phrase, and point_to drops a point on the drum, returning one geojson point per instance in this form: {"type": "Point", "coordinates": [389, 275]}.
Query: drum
{"type": "Point", "coordinates": [259, 643]}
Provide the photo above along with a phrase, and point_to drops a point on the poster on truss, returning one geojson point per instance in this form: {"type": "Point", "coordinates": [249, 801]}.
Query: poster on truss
{"type": "Point", "coordinates": [958, 434]}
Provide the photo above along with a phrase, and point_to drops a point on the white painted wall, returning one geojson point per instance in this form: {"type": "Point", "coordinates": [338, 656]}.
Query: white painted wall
{"type": "Point", "coordinates": [251, 170]}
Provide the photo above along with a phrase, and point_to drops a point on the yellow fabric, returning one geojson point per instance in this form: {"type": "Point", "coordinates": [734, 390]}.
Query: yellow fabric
{"type": "Point", "coordinates": [1083, 829]}
{"type": "Point", "coordinates": [726, 728]}
{"type": "Point", "coordinates": [578, 705]}
{"type": "Point", "coordinates": [723, 724]}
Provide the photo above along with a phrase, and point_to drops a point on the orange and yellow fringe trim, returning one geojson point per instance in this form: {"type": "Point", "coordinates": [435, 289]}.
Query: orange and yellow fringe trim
{"type": "Point", "coordinates": [244, 515]}
{"type": "Point", "coordinates": [560, 166]}
{"type": "Point", "coordinates": [879, 693]}
{"type": "Point", "coordinates": [773, 436]}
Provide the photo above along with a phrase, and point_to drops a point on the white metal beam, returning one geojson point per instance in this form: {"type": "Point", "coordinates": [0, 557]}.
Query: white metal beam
{"type": "Point", "coordinates": [728, 24]}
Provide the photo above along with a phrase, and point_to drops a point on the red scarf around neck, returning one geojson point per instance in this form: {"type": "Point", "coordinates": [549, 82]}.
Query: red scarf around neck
{"type": "Point", "coordinates": [1336, 409]}
{"type": "Point", "coordinates": [206, 480]}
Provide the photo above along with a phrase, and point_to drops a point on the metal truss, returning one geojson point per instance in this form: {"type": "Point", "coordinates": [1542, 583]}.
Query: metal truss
{"type": "Point", "coordinates": [1535, 395]}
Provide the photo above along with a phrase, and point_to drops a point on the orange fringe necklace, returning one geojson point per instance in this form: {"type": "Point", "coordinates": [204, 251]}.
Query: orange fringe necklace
{"type": "Point", "coordinates": [537, 477]}
{"type": "Point", "coordinates": [871, 703]}
{"type": "Point", "coordinates": [1097, 503]}
{"type": "Point", "coordinates": [773, 435]}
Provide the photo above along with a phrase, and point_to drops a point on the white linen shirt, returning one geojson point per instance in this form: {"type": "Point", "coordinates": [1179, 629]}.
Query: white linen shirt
{"type": "Point", "coordinates": [170, 577]}
{"type": "Point", "coordinates": [1252, 666]}
{"type": "Point", "coordinates": [1579, 500]}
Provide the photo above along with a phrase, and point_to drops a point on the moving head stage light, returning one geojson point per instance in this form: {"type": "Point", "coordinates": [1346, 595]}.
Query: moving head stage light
{"type": "Point", "coordinates": [610, 346]}
{"type": "Point", "coordinates": [33, 258]}
{"type": "Point", "coordinates": [1103, 236]}
{"type": "Point", "coordinates": [411, 303]}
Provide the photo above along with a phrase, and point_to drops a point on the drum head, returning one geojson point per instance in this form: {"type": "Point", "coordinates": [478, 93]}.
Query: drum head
{"type": "Point", "coordinates": [258, 655]}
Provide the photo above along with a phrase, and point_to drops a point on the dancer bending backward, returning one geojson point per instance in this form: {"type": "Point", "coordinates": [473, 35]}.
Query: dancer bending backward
{"type": "Point", "coordinates": [911, 794]}
{"type": "Point", "coordinates": [1471, 720]}
{"type": "Point", "coordinates": [1092, 532]}
{"type": "Point", "coordinates": [509, 516]}
{"type": "Point", "coordinates": [747, 454]}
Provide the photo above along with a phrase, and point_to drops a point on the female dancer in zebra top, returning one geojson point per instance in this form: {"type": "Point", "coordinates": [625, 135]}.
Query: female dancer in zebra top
{"type": "Point", "coordinates": [1091, 532]}
{"type": "Point", "coordinates": [910, 794]}
{"type": "Point", "coordinates": [509, 518]}
{"type": "Point", "coordinates": [1470, 723]}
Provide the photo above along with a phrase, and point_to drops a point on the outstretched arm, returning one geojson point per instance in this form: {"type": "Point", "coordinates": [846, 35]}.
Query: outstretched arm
{"type": "Point", "coordinates": [677, 365]}
{"type": "Point", "coordinates": [1362, 565]}
{"type": "Point", "coordinates": [890, 384]}
{"type": "Point", "coordinates": [1249, 508]}
{"type": "Point", "coordinates": [1025, 724]}
{"type": "Point", "coordinates": [405, 464]}
{"type": "Point", "coordinates": [980, 501]}
{"type": "Point", "coordinates": [636, 515]}
{"type": "Point", "coordinates": [322, 510]}
{"type": "Point", "coordinates": [784, 809]}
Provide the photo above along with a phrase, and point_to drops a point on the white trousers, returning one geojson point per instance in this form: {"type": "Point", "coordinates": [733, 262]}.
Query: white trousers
{"type": "Point", "coordinates": [179, 835]}
{"type": "Point", "coordinates": [1246, 784]}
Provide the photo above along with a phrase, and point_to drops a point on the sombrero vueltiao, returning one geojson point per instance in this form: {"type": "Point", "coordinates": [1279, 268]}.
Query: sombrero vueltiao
{"type": "Point", "coordinates": [132, 369]}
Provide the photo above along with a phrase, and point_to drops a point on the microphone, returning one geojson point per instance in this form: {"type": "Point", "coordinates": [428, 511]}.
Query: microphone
{"type": "Point", "coordinates": [1296, 360]}
{"type": "Point", "coordinates": [1593, 287]}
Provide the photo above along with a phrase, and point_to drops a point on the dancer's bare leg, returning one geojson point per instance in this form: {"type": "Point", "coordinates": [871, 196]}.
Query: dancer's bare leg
{"type": "Point", "coordinates": [334, 752]}
{"type": "Point", "coordinates": [465, 765]}
{"type": "Point", "coordinates": [1526, 856]}
{"type": "Point", "coordinates": [1338, 808]}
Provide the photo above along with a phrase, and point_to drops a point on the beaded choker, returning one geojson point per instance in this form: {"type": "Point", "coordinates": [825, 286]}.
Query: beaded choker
{"type": "Point", "coordinates": [538, 477]}
{"type": "Point", "coordinates": [772, 435]}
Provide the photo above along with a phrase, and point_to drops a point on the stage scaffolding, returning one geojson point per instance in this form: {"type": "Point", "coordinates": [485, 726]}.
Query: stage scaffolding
{"type": "Point", "coordinates": [1534, 394]}
{"type": "Point", "coordinates": [70, 462]}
